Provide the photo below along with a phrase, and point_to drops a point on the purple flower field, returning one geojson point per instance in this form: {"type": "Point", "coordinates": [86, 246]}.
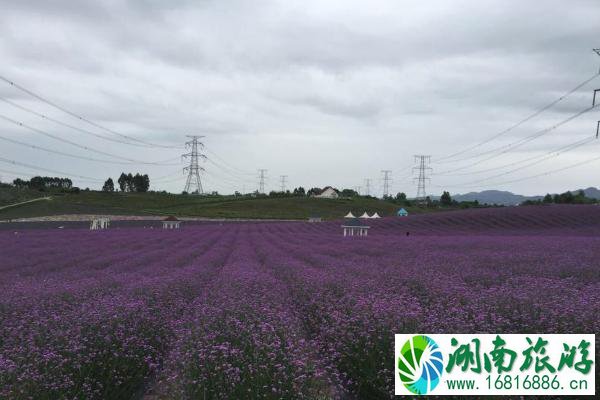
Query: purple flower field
{"type": "Point", "coordinates": [280, 310]}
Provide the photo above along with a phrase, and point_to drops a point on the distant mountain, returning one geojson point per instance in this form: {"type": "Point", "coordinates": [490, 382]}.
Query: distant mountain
{"type": "Point", "coordinates": [511, 199]}
{"type": "Point", "coordinates": [592, 192]}
{"type": "Point", "coordinates": [495, 197]}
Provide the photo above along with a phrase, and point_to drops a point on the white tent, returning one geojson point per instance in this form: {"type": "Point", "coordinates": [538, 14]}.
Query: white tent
{"type": "Point", "coordinates": [349, 215]}
{"type": "Point", "coordinates": [365, 215]}
{"type": "Point", "coordinates": [375, 215]}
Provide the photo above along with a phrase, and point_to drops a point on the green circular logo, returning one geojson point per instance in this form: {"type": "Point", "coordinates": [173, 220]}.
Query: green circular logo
{"type": "Point", "coordinates": [420, 364]}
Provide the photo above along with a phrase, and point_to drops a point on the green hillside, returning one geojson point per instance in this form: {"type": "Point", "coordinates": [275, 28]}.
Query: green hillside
{"type": "Point", "coordinates": [196, 206]}
{"type": "Point", "coordinates": [10, 195]}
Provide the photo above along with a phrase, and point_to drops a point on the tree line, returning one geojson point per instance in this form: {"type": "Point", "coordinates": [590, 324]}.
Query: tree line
{"type": "Point", "coordinates": [400, 198]}
{"type": "Point", "coordinates": [563, 198]}
{"type": "Point", "coordinates": [128, 183]}
{"type": "Point", "coordinates": [44, 182]}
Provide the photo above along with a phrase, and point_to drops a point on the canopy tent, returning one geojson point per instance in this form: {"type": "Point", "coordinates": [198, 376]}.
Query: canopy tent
{"type": "Point", "coordinates": [365, 215]}
{"type": "Point", "coordinates": [349, 215]}
{"type": "Point", "coordinates": [402, 212]}
{"type": "Point", "coordinates": [375, 215]}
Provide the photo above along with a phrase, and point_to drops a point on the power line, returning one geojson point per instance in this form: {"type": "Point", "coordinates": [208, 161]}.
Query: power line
{"type": "Point", "coordinates": [521, 122]}
{"type": "Point", "coordinates": [58, 138]}
{"type": "Point", "coordinates": [221, 178]}
{"type": "Point", "coordinates": [228, 172]}
{"type": "Point", "coordinates": [169, 175]}
{"type": "Point", "coordinates": [561, 149]}
{"type": "Point", "coordinates": [218, 175]}
{"type": "Point", "coordinates": [78, 116]}
{"type": "Point", "coordinates": [33, 146]}
{"type": "Point", "coordinates": [16, 173]}
{"type": "Point", "coordinates": [221, 183]}
{"type": "Point", "coordinates": [86, 178]}
{"type": "Point", "coordinates": [545, 173]}
{"type": "Point", "coordinates": [225, 164]}
{"type": "Point", "coordinates": [547, 157]}
{"type": "Point", "coordinates": [193, 169]}
{"type": "Point", "coordinates": [85, 131]}
{"type": "Point", "coordinates": [516, 144]}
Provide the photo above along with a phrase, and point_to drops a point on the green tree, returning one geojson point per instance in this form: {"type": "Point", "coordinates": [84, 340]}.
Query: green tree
{"type": "Point", "coordinates": [446, 199]}
{"type": "Point", "coordinates": [20, 183]}
{"type": "Point", "coordinates": [122, 182]}
{"type": "Point", "coordinates": [580, 198]}
{"type": "Point", "coordinates": [401, 197]}
{"type": "Point", "coordinates": [556, 199]}
{"type": "Point", "coordinates": [314, 191]}
{"type": "Point", "coordinates": [547, 198]}
{"type": "Point", "coordinates": [348, 193]}
{"type": "Point", "coordinates": [566, 198]}
{"type": "Point", "coordinates": [299, 191]}
{"type": "Point", "coordinates": [130, 183]}
{"type": "Point", "coordinates": [109, 186]}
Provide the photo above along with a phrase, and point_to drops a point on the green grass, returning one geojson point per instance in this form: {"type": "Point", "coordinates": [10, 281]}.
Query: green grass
{"type": "Point", "coordinates": [196, 206]}
{"type": "Point", "coordinates": [10, 195]}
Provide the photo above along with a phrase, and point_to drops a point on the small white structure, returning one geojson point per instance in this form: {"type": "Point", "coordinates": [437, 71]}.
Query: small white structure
{"type": "Point", "coordinates": [327, 193]}
{"type": "Point", "coordinates": [355, 227]}
{"type": "Point", "coordinates": [365, 215]}
{"type": "Point", "coordinates": [171, 223]}
{"type": "Point", "coordinates": [349, 215]}
{"type": "Point", "coordinates": [315, 219]}
{"type": "Point", "coordinates": [375, 215]}
{"type": "Point", "coordinates": [99, 223]}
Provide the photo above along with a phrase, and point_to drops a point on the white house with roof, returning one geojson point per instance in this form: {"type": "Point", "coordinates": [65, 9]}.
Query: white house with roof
{"type": "Point", "coordinates": [327, 193]}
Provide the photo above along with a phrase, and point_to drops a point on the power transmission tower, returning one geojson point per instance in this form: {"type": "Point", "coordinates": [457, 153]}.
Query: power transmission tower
{"type": "Point", "coordinates": [367, 187]}
{"type": "Point", "coordinates": [597, 52]}
{"type": "Point", "coordinates": [193, 179]}
{"type": "Point", "coordinates": [261, 180]}
{"type": "Point", "coordinates": [423, 168]}
{"type": "Point", "coordinates": [386, 182]}
{"type": "Point", "coordinates": [283, 178]}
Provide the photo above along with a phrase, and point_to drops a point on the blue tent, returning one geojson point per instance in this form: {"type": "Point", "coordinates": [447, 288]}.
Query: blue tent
{"type": "Point", "coordinates": [402, 213]}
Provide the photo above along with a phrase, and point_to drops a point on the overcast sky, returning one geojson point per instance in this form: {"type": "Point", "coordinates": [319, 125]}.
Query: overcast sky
{"type": "Point", "coordinates": [325, 92]}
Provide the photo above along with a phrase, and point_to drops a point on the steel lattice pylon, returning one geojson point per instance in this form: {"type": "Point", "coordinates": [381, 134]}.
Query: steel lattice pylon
{"type": "Point", "coordinates": [193, 170]}
{"type": "Point", "coordinates": [423, 162]}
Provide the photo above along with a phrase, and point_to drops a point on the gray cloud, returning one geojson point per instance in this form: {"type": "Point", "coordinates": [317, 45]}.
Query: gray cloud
{"type": "Point", "coordinates": [325, 92]}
